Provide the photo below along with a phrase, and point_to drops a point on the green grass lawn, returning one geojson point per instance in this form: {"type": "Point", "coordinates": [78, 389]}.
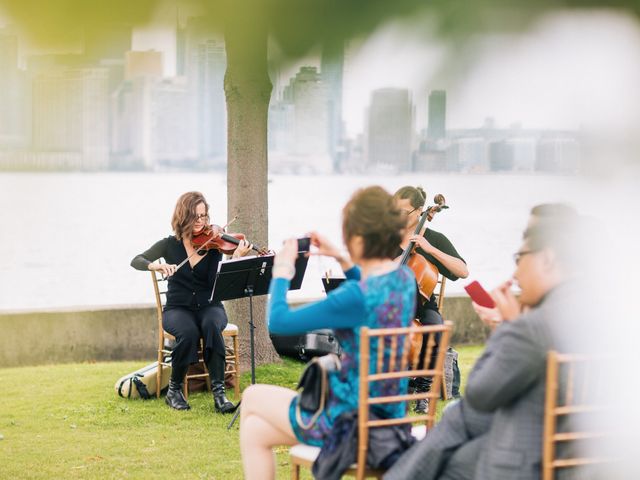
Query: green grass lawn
{"type": "Point", "coordinates": [65, 421]}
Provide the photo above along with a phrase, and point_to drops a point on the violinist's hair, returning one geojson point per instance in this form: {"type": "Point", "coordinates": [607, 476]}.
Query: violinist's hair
{"type": "Point", "coordinates": [184, 215]}
{"type": "Point", "coordinates": [416, 195]}
{"type": "Point", "coordinates": [372, 214]}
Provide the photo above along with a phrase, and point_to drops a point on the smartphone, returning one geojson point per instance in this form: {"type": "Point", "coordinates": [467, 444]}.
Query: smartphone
{"type": "Point", "coordinates": [304, 244]}
{"type": "Point", "coordinates": [479, 295]}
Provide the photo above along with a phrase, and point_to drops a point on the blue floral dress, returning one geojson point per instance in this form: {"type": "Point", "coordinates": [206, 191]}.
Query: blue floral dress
{"type": "Point", "coordinates": [383, 301]}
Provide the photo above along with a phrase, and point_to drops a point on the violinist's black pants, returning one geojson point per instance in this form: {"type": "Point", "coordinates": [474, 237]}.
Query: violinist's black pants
{"type": "Point", "coordinates": [188, 325]}
{"type": "Point", "coordinates": [429, 317]}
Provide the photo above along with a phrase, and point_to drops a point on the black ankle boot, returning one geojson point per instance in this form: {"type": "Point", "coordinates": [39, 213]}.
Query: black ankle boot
{"type": "Point", "coordinates": [220, 400]}
{"type": "Point", "coordinates": [216, 374]}
{"type": "Point", "coordinates": [175, 398]}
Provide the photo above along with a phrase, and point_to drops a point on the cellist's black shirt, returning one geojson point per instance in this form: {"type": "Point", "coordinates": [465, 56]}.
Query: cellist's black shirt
{"type": "Point", "coordinates": [188, 287]}
{"type": "Point", "coordinates": [442, 243]}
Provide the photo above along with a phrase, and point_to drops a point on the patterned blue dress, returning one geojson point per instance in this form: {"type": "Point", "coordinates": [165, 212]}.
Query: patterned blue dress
{"type": "Point", "coordinates": [383, 301]}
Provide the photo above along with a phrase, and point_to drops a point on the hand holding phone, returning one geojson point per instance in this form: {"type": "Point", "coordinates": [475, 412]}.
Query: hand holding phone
{"type": "Point", "coordinates": [480, 295]}
{"type": "Point", "coordinates": [304, 244]}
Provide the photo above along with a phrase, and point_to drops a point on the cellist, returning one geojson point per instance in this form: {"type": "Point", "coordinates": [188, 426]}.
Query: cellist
{"type": "Point", "coordinates": [439, 251]}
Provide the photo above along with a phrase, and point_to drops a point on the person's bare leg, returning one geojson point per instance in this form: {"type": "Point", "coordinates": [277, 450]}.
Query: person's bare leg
{"type": "Point", "coordinates": [264, 423]}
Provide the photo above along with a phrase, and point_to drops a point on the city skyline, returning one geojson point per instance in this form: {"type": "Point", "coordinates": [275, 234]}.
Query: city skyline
{"type": "Point", "coordinates": [141, 133]}
{"type": "Point", "coordinates": [515, 74]}
{"type": "Point", "coordinates": [112, 107]}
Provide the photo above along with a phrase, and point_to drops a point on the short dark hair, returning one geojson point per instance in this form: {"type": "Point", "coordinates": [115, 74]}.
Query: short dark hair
{"type": "Point", "coordinates": [416, 195]}
{"type": "Point", "coordinates": [371, 213]}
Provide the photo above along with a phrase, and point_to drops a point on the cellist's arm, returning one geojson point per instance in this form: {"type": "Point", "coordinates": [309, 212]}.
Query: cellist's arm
{"type": "Point", "coordinates": [455, 265]}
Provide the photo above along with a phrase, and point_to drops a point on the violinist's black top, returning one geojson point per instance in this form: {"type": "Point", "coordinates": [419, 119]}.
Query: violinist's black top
{"type": "Point", "coordinates": [442, 243]}
{"type": "Point", "coordinates": [188, 287]}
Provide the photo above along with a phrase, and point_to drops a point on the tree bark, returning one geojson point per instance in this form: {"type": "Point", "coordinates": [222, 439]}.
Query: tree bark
{"type": "Point", "coordinates": [248, 90]}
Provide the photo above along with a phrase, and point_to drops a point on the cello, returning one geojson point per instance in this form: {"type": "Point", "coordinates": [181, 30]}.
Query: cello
{"type": "Point", "coordinates": [426, 273]}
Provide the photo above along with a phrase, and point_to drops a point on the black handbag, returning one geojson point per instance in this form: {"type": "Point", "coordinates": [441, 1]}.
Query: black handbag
{"type": "Point", "coordinates": [314, 383]}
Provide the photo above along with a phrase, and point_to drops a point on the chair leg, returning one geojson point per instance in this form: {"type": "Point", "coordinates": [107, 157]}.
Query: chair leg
{"type": "Point", "coordinates": [236, 354]}
{"type": "Point", "coordinates": [185, 387]}
{"type": "Point", "coordinates": [295, 471]}
{"type": "Point", "coordinates": [207, 379]}
{"type": "Point", "coordinates": [159, 374]}
{"type": "Point", "coordinates": [445, 396]}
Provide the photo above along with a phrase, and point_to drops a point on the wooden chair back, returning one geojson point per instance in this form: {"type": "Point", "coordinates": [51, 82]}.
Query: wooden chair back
{"type": "Point", "coordinates": [575, 387]}
{"type": "Point", "coordinates": [439, 292]}
{"type": "Point", "coordinates": [393, 363]}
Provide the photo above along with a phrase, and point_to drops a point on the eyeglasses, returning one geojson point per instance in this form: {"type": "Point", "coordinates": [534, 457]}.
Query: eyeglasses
{"type": "Point", "coordinates": [518, 255]}
{"type": "Point", "coordinates": [204, 216]}
{"type": "Point", "coordinates": [409, 212]}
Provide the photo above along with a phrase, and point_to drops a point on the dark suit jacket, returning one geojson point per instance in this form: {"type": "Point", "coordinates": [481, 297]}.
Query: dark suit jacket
{"type": "Point", "coordinates": [507, 386]}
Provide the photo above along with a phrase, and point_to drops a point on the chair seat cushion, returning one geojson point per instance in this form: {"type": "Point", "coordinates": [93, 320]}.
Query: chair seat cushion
{"type": "Point", "coordinates": [308, 453]}
{"type": "Point", "coordinates": [230, 328]}
{"type": "Point", "coordinates": [305, 452]}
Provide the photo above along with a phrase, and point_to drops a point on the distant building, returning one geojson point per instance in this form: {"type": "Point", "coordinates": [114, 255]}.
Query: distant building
{"type": "Point", "coordinates": [437, 114]}
{"type": "Point", "coordinates": [524, 153]}
{"type": "Point", "coordinates": [14, 95]}
{"type": "Point", "coordinates": [299, 125]}
{"type": "Point", "coordinates": [332, 65]}
{"type": "Point", "coordinates": [390, 130]}
{"type": "Point", "coordinates": [469, 155]}
{"type": "Point", "coordinates": [501, 156]}
{"type": "Point", "coordinates": [70, 116]}
{"type": "Point", "coordinates": [153, 128]}
{"type": "Point", "coordinates": [201, 57]}
{"type": "Point", "coordinates": [558, 154]}
{"type": "Point", "coordinates": [143, 64]}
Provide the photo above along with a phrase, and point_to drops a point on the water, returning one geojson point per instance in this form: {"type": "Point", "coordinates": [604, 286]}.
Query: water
{"type": "Point", "coordinates": [67, 239]}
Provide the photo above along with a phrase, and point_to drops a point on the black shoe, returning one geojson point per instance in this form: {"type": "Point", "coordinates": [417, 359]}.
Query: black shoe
{"type": "Point", "coordinates": [175, 398]}
{"type": "Point", "coordinates": [422, 406]}
{"type": "Point", "coordinates": [220, 400]}
{"type": "Point", "coordinates": [412, 385]}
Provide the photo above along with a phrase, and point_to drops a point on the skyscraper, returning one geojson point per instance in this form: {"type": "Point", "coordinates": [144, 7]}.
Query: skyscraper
{"type": "Point", "coordinates": [437, 114]}
{"type": "Point", "coordinates": [300, 124]}
{"type": "Point", "coordinates": [390, 130]}
{"type": "Point", "coordinates": [332, 65]}
{"type": "Point", "coordinates": [143, 64]}
{"type": "Point", "coordinates": [152, 124]}
{"type": "Point", "coordinates": [202, 59]}
{"type": "Point", "coordinates": [14, 95]}
{"type": "Point", "coordinates": [70, 115]}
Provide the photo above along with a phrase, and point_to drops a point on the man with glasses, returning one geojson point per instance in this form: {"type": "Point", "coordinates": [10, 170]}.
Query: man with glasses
{"type": "Point", "coordinates": [495, 431]}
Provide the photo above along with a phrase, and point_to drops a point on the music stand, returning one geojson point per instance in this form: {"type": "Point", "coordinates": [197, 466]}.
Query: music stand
{"type": "Point", "coordinates": [247, 277]}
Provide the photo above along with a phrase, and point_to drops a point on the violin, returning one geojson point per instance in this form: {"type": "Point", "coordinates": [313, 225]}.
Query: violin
{"type": "Point", "coordinates": [225, 243]}
{"type": "Point", "coordinates": [425, 272]}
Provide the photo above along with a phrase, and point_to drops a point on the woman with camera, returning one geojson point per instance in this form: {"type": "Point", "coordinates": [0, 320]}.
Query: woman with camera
{"type": "Point", "coordinates": [377, 293]}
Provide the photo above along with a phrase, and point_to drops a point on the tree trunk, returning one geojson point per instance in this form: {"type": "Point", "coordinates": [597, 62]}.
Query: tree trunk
{"type": "Point", "coordinates": [248, 91]}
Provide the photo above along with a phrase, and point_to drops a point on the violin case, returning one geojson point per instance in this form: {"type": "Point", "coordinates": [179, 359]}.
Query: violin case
{"type": "Point", "coordinates": [306, 346]}
{"type": "Point", "coordinates": [142, 382]}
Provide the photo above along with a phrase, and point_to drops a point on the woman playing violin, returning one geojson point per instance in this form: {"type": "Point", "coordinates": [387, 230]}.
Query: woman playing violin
{"type": "Point", "coordinates": [439, 251]}
{"type": "Point", "coordinates": [188, 315]}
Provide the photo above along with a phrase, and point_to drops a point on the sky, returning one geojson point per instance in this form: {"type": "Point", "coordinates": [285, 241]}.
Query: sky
{"type": "Point", "coordinates": [567, 71]}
